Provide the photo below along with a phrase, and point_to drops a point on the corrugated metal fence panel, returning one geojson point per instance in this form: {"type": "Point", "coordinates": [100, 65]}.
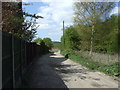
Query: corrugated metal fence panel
{"type": "Point", "coordinates": [6, 60]}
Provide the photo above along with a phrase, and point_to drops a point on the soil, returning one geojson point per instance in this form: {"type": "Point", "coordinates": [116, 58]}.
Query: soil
{"type": "Point", "coordinates": [55, 71]}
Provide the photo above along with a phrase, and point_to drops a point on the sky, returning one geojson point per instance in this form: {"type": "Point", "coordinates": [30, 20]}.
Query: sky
{"type": "Point", "coordinates": [54, 12]}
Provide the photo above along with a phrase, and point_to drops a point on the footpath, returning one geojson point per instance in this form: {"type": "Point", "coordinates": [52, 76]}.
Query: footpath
{"type": "Point", "coordinates": [54, 71]}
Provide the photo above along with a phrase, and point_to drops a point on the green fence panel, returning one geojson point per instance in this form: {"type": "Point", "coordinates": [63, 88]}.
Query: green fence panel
{"type": "Point", "coordinates": [6, 60]}
{"type": "Point", "coordinates": [17, 59]}
{"type": "Point", "coordinates": [23, 58]}
{"type": "Point", "coordinates": [21, 53]}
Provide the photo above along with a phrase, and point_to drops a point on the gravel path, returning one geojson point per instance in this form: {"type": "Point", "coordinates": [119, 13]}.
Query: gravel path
{"type": "Point", "coordinates": [42, 75]}
{"type": "Point", "coordinates": [54, 71]}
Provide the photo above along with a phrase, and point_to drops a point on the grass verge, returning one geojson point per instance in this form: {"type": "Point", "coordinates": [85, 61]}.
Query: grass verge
{"type": "Point", "coordinates": [110, 69]}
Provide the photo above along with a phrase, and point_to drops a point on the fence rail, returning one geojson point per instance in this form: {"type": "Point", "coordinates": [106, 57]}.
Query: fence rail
{"type": "Point", "coordinates": [17, 54]}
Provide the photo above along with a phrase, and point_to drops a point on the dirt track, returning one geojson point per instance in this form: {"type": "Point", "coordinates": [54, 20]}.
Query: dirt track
{"type": "Point", "coordinates": [54, 71]}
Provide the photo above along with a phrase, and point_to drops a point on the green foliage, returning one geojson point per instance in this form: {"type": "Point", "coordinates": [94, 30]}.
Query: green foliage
{"type": "Point", "coordinates": [93, 28]}
{"type": "Point", "coordinates": [57, 45]}
{"type": "Point", "coordinates": [98, 31]}
{"type": "Point", "coordinates": [15, 29]}
{"type": "Point", "coordinates": [71, 39]}
{"type": "Point", "coordinates": [32, 15]}
{"type": "Point", "coordinates": [19, 24]}
{"type": "Point", "coordinates": [110, 69]}
{"type": "Point", "coordinates": [44, 42]}
{"type": "Point", "coordinates": [48, 42]}
{"type": "Point", "coordinates": [37, 40]}
{"type": "Point", "coordinates": [106, 35]}
{"type": "Point", "coordinates": [85, 34]}
{"type": "Point", "coordinates": [43, 47]}
{"type": "Point", "coordinates": [29, 26]}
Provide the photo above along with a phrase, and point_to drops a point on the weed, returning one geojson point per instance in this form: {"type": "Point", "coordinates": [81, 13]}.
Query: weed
{"type": "Point", "coordinates": [110, 69]}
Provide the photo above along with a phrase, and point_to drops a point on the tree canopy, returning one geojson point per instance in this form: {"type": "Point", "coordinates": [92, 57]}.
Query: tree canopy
{"type": "Point", "coordinates": [94, 29]}
{"type": "Point", "coordinates": [16, 21]}
{"type": "Point", "coordinates": [90, 14]}
{"type": "Point", "coordinates": [38, 41]}
{"type": "Point", "coordinates": [48, 42]}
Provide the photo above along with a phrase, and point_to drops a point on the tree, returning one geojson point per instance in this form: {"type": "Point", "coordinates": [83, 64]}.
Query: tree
{"type": "Point", "coordinates": [16, 21]}
{"type": "Point", "coordinates": [72, 39]}
{"type": "Point", "coordinates": [105, 36]}
{"type": "Point", "coordinates": [30, 26]}
{"type": "Point", "coordinates": [84, 33]}
{"type": "Point", "coordinates": [112, 40]}
{"type": "Point", "coordinates": [38, 41]}
{"type": "Point", "coordinates": [119, 33]}
{"type": "Point", "coordinates": [88, 13]}
{"type": "Point", "coordinates": [12, 17]}
{"type": "Point", "coordinates": [48, 42]}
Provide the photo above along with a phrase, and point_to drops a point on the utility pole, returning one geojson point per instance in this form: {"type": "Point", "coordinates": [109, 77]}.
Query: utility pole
{"type": "Point", "coordinates": [63, 36]}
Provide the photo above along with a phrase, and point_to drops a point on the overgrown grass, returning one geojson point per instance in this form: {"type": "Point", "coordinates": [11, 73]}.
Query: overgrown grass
{"type": "Point", "coordinates": [110, 69]}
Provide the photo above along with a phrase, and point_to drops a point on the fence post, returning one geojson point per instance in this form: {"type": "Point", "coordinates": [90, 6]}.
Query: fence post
{"type": "Point", "coordinates": [13, 69]}
{"type": "Point", "coordinates": [25, 62]}
{"type": "Point", "coordinates": [0, 45]}
{"type": "Point", "coordinates": [21, 66]}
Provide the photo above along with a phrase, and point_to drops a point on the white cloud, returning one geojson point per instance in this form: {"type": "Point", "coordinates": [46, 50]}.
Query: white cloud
{"type": "Point", "coordinates": [47, 1]}
{"type": "Point", "coordinates": [25, 0]}
{"type": "Point", "coordinates": [54, 13]}
{"type": "Point", "coordinates": [115, 11]}
{"type": "Point", "coordinates": [55, 33]}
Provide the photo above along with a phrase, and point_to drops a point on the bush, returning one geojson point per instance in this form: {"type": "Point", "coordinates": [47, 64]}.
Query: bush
{"type": "Point", "coordinates": [110, 69]}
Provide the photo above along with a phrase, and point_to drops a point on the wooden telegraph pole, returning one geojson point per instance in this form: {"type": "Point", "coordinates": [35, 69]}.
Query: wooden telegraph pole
{"type": "Point", "coordinates": [63, 36]}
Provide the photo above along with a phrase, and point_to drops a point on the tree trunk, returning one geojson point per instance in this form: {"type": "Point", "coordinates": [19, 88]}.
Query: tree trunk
{"type": "Point", "coordinates": [91, 42]}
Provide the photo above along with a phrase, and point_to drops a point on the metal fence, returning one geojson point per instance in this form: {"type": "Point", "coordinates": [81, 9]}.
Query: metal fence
{"type": "Point", "coordinates": [16, 56]}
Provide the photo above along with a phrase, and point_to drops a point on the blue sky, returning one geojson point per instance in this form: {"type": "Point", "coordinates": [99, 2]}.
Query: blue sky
{"type": "Point", "coordinates": [54, 13]}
